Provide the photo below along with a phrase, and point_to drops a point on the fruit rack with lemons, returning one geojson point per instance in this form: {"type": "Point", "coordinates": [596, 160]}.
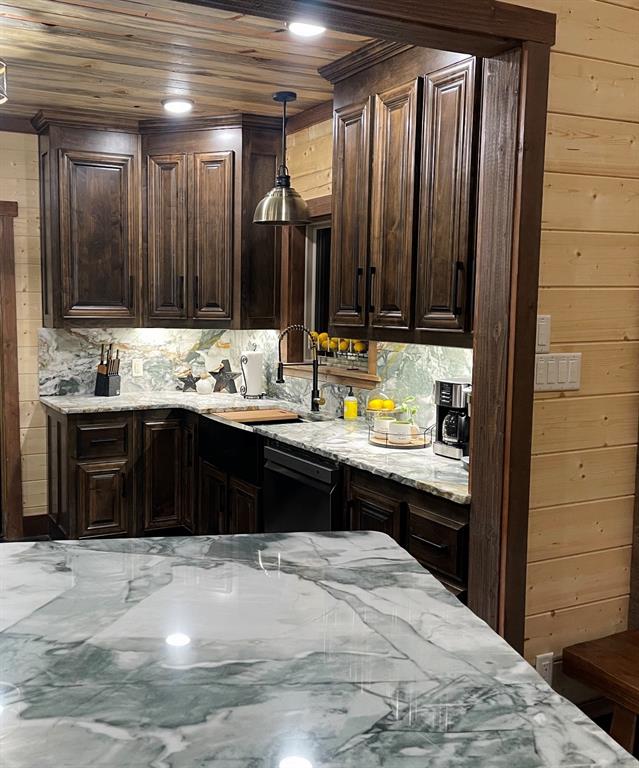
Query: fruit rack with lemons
{"type": "Point", "coordinates": [351, 354]}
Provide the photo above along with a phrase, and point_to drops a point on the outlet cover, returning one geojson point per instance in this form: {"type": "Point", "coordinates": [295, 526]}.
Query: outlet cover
{"type": "Point", "coordinates": [558, 372]}
{"type": "Point", "coordinates": [543, 334]}
{"type": "Point", "coordinates": [543, 665]}
{"type": "Point", "coordinates": [137, 367]}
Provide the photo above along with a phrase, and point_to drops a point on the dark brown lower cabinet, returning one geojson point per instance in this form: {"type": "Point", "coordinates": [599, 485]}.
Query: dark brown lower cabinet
{"type": "Point", "coordinates": [103, 498]}
{"type": "Point", "coordinates": [227, 504]}
{"type": "Point", "coordinates": [373, 511]}
{"type": "Point", "coordinates": [121, 474]}
{"type": "Point", "coordinates": [168, 471]}
{"type": "Point", "coordinates": [244, 503]}
{"type": "Point", "coordinates": [433, 530]}
{"type": "Point", "coordinates": [213, 501]}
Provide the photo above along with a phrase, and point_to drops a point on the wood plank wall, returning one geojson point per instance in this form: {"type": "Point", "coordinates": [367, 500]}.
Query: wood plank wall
{"type": "Point", "coordinates": [584, 443]}
{"type": "Point", "coordinates": [19, 182]}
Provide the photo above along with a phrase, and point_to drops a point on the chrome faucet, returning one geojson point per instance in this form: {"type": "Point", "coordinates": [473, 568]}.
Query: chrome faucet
{"type": "Point", "coordinates": [316, 399]}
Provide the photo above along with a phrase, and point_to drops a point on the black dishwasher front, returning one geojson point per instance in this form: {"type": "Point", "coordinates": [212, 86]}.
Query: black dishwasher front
{"type": "Point", "coordinates": [301, 492]}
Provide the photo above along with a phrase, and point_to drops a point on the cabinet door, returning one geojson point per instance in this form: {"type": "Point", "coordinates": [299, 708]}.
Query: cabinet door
{"type": "Point", "coordinates": [163, 463]}
{"type": "Point", "coordinates": [243, 510]}
{"type": "Point", "coordinates": [443, 279]}
{"type": "Point", "coordinates": [99, 249]}
{"type": "Point", "coordinates": [213, 505]}
{"type": "Point", "coordinates": [103, 498]}
{"type": "Point", "coordinates": [212, 235]}
{"type": "Point", "coordinates": [372, 511]}
{"type": "Point", "coordinates": [349, 250]}
{"type": "Point", "coordinates": [166, 236]}
{"type": "Point", "coordinates": [392, 206]}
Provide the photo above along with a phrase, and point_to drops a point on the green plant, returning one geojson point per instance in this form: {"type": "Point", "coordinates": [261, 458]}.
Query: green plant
{"type": "Point", "coordinates": [407, 410]}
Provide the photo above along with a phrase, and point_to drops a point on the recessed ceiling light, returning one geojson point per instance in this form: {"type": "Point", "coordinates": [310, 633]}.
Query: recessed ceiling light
{"type": "Point", "coordinates": [177, 105]}
{"type": "Point", "coordinates": [303, 29]}
{"type": "Point", "coordinates": [178, 640]}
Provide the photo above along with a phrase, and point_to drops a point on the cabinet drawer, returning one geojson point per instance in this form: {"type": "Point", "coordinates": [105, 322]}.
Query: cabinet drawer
{"type": "Point", "coordinates": [97, 441]}
{"type": "Point", "coordinates": [437, 542]}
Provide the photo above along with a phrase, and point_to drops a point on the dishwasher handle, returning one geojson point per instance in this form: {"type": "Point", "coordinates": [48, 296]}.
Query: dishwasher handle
{"type": "Point", "coordinates": [278, 460]}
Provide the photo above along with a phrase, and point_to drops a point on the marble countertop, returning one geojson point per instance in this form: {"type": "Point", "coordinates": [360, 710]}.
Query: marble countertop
{"type": "Point", "coordinates": [338, 650]}
{"type": "Point", "coordinates": [342, 441]}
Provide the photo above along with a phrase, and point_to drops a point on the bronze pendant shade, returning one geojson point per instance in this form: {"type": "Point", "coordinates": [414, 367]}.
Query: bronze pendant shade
{"type": "Point", "coordinates": [282, 205]}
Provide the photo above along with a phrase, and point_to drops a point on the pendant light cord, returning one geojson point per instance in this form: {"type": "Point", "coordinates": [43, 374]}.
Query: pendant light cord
{"type": "Point", "coordinates": [283, 169]}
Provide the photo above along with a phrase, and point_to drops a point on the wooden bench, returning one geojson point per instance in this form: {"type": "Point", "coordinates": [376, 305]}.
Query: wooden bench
{"type": "Point", "coordinates": [611, 665]}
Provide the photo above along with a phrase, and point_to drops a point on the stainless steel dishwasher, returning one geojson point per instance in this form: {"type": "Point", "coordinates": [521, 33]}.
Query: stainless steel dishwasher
{"type": "Point", "coordinates": [300, 492]}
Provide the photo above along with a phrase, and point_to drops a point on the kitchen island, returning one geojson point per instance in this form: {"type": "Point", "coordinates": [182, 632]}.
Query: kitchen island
{"type": "Point", "coordinates": [331, 650]}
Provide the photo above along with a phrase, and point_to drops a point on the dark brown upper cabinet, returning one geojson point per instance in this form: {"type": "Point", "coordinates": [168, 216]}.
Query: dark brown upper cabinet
{"type": "Point", "coordinates": [167, 236]}
{"type": "Point", "coordinates": [153, 225]}
{"type": "Point", "coordinates": [445, 199]}
{"type": "Point", "coordinates": [212, 249]}
{"type": "Point", "coordinates": [349, 252]}
{"type": "Point", "coordinates": [208, 265]}
{"type": "Point", "coordinates": [393, 202]}
{"type": "Point", "coordinates": [90, 189]}
{"type": "Point", "coordinates": [404, 166]}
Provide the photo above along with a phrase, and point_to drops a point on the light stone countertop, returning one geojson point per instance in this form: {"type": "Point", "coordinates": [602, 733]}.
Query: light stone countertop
{"type": "Point", "coordinates": [339, 650]}
{"type": "Point", "coordinates": [342, 441]}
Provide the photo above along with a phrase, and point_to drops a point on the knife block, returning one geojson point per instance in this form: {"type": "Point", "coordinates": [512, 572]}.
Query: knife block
{"type": "Point", "coordinates": [107, 385]}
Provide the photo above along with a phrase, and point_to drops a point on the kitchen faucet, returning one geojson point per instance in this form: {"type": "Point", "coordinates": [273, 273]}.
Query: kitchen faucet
{"type": "Point", "coordinates": [316, 399]}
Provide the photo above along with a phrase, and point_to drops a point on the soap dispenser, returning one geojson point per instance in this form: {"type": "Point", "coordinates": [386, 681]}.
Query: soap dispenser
{"type": "Point", "coordinates": [350, 405]}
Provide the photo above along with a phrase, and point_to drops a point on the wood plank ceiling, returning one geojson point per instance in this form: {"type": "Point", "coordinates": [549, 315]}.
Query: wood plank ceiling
{"type": "Point", "coordinates": [124, 56]}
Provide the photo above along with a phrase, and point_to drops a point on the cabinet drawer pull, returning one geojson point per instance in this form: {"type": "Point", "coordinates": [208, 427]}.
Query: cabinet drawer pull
{"type": "Point", "coordinates": [358, 274]}
{"type": "Point", "coordinates": [181, 292]}
{"type": "Point", "coordinates": [459, 268]}
{"type": "Point", "coordinates": [432, 544]}
{"type": "Point", "coordinates": [101, 440]}
{"type": "Point", "coordinates": [196, 283]}
{"type": "Point", "coordinates": [123, 480]}
{"type": "Point", "coordinates": [369, 289]}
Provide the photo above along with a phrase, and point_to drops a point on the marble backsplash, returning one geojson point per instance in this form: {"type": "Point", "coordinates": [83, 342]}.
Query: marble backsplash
{"type": "Point", "coordinates": [68, 358]}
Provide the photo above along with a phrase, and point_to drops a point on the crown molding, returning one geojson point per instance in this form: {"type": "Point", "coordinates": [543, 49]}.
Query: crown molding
{"type": "Point", "coordinates": [361, 59]}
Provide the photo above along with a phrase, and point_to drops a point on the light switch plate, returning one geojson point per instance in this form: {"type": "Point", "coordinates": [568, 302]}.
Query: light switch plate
{"type": "Point", "coordinates": [558, 372]}
{"type": "Point", "coordinates": [543, 334]}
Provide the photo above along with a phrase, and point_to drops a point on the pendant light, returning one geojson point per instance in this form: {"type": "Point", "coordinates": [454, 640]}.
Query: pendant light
{"type": "Point", "coordinates": [282, 205]}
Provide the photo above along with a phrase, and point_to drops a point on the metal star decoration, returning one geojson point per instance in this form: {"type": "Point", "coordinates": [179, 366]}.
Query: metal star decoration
{"type": "Point", "coordinates": [225, 378]}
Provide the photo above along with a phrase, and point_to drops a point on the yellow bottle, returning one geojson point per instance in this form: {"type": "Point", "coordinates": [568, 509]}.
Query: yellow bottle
{"type": "Point", "coordinates": [350, 405]}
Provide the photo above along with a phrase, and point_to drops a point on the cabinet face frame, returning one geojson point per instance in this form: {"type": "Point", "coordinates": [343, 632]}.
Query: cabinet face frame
{"type": "Point", "coordinates": [516, 42]}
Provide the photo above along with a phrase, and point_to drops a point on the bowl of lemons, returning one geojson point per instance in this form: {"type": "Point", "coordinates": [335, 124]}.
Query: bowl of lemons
{"type": "Point", "coordinates": [379, 405]}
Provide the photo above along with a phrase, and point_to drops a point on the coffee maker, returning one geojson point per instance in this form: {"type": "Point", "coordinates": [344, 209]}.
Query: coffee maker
{"type": "Point", "coordinates": [452, 418]}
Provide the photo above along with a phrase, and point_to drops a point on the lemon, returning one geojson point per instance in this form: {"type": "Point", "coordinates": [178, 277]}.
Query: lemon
{"type": "Point", "coordinates": [388, 405]}
{"type": "Point", "coordinates": [360, 346]}
{"type": "Point", "coordinates": [323, 337]}
{"type": "Point", "coordinates": [314, 335]}
{"type": "Point", "coordinates": [333, 344]}
{"type": "Point", "coordinates": [376, 404]}
{"type": "Point", "coordinates": [324, 343]}
{"type": "Point", "coordinates": [343, 345]}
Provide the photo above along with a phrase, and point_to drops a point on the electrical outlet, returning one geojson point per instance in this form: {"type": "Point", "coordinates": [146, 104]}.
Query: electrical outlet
{"type": "Point", "coordinates": [137, 367]}
{"type": "Point", "coordinates": [558, 372]}
{"type": "Point", "coordinates": [543, 665]}
{"type": "Point", "coordinates": [543, 334]}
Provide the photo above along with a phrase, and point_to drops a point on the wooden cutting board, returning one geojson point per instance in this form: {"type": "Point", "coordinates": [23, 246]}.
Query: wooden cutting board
{"type": "Point", "coordinates": [266, 414]}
